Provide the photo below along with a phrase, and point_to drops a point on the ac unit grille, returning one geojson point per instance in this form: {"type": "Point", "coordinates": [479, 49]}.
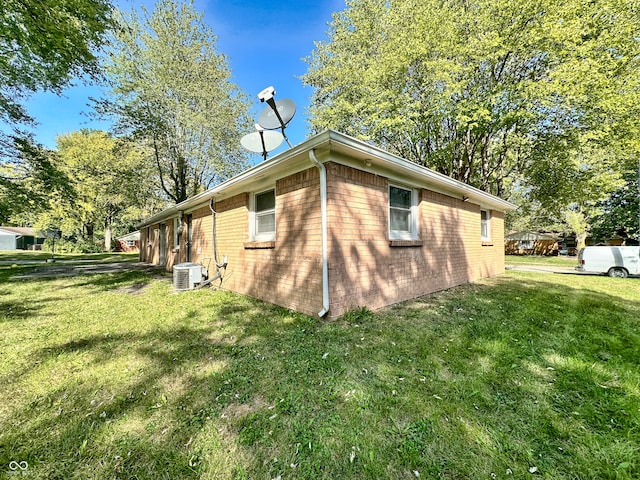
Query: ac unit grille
{"type": "Point", "coordinates": [181, 279]}
{"type": "Point", "coordinates": [186, 275]}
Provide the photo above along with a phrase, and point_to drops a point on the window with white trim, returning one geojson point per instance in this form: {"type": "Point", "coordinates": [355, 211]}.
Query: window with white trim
{"type": "Point", "coordinates": [176, 232]}
{"type": "Point", "coordinates": [525, 244]}
{"type": "Point", "coordinates": [403, 216]}
{"type": "Point", "coordinates": [485, 222]}
{"type": "Point", "coordinates": [263, 221]}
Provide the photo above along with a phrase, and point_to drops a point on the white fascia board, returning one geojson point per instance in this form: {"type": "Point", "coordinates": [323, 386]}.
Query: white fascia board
{"type": "Point", "coordinates": [417, 174]}
{"type": "Point", "coordinates": [297, 159]}
{"type": "Point", "coordinates": [283, 162]}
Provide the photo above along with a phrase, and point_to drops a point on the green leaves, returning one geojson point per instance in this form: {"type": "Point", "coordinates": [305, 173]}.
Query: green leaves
{"type": "Point", "coordinates": [171, 89]}
{"type": "Point", "coordinates": [493, 93]}
{"type": "Point", "coordinates": [109, 180]}
{"type": "Point", "coordinates": [44, 45]}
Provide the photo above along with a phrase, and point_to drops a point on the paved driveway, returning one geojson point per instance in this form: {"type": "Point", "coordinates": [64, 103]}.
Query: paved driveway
{"type": "Point", "coordinates": [71, 269]}
{"type": "Point", "coordinates": [544, 268]}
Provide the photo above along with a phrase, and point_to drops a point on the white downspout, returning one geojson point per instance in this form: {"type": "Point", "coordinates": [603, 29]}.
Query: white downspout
{"type": "Point", "coordinates": [323, 214]}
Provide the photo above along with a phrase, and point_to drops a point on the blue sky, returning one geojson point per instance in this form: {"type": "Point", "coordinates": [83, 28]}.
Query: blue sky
{"type": "Point", "coordinates": [264, 41]}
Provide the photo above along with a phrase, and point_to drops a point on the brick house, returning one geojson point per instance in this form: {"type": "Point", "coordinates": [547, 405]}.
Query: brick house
{"type": "Point", "coordinates": [129, 242]}
{"type": "Point", "coordinates": [530, 243]}
{"type": "Point", "coordinates": [332, 224]}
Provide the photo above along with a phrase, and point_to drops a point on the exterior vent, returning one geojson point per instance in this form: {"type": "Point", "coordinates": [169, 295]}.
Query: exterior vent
{"type": "Point", "coordinates": [186, 275]}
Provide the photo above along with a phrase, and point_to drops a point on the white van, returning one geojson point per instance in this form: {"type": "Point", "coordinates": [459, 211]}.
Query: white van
{"type": "Point", "coordinates": [614, 261]}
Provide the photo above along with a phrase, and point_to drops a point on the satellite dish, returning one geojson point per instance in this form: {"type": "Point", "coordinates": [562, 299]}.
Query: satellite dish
{"type": "Point", "coordinates": [262, 141]}
{"type": "Point", "coordinates": [273, 118]}
{"type": "Point", "coordinates": [280, 114]}
{"type": "Point", "coordinates": [277, 116]}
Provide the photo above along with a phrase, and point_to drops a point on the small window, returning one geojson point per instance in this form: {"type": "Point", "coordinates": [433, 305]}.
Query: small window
{"type": "Point", "coordinates": [402, 213]}
{"type": "Point", "coordinates": [131, 243]}
{"type": "Point", "coordinates": [485, 231]}
{"type": "Point", "coordinates": [264, 222]}
{"type": "Point", "coordinates": [525, 244]}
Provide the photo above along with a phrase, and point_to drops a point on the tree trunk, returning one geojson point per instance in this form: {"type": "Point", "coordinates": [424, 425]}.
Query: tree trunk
{"type": "Point", "coordinates": [107, 233]}
{"type": "Point", "coordinates": [581, 240]}
{"type": "Point", "coordinates": [88, 229]}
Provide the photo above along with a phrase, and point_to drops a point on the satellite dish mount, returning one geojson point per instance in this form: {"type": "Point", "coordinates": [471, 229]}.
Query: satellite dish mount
{"type": "Point", "coordinates": [280, 113]}
{"type": "Point", "coordinates": [261, 141]}
{"type": "Point", "coordinates": [286, 107]}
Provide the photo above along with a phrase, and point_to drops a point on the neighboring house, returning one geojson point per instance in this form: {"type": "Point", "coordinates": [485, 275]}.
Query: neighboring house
{"type": "Point", "coordinates": [333, 224]}
{"type": "Point", "coordinates": [530, 243]}
{"type": "Point", "coordinates": [612, 241]}
{"type": "Point", "coordinates": [129, 242]}
{"type": "Point", "coordinates": [20, 238]}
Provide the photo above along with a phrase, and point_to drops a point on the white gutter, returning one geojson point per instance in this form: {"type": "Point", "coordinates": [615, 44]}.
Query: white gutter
{"type": "Point", "coordinates": [323, 214]}
{"type": "Point", "coordinates": [349, 146]}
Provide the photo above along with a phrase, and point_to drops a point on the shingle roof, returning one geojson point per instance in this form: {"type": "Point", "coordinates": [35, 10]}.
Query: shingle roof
{"type": "Point", "coordinates": [23, 231]}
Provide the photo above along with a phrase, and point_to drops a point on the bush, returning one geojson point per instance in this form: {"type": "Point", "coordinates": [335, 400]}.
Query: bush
{"type": "Point", "coordinates": [72, 246]}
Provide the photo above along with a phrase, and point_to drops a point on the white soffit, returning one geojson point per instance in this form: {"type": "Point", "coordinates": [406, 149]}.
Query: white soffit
{"type": "Point", "coordinates": [352, 152]}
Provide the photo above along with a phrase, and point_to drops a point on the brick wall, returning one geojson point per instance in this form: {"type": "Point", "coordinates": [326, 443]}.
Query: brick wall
{"type": "Point", "coordinates": [150, 244]}
{"type": "Point", "coordinates": [123, 246]}
{"type": "Point", "coordinates": [286, 272]}
{"type": "Point", "coordinates": [201, 236]}
{"type": "Point", "coordinates": [365, 270]}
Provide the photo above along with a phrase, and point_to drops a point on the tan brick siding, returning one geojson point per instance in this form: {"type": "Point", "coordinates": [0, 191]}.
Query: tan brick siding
{"type": "Point", "coordinates": [150, 244]}
{"type": "Point", "coordinates": [366, 271]}
{"type": "Point", "coordinates": [201, 236]}
{"type": "Point", "coordinates": [289, 272]}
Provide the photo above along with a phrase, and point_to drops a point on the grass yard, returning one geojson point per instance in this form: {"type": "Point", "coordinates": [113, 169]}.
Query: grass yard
{"type": "Point", "coordinates": [559, 261]}
{"type": "Point", "coordinates": [524, 376]}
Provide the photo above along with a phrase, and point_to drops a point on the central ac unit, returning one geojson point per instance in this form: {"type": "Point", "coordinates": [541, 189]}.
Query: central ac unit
{"type": "Point", "coordinates": [187, 275]}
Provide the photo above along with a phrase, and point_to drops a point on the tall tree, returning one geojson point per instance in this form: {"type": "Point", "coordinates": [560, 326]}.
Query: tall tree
{"type": "Point", "coordinates": [109, 180]}
{"type": "Point", "coordinates": [44, 45]}
{"type": "Point", "coordinates": [29, 178]}
{"type": "Point", "coordinates": [171, 89]}
{"type": "Point", "coordinates": [619, 215]}
{"type": "Point", "coordinates": [495, 93]}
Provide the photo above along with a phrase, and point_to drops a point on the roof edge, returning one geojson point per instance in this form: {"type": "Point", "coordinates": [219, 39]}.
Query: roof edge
{"type": "Point", "coordinates": [331, 139]}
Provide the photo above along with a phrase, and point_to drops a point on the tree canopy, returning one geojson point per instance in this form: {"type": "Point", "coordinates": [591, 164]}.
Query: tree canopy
{"type": "Point", "coordinates": [172, 90]}
{"type": "Point", "coordinates": [619, 214]}
{"type": "Point", "coordinates": [44, 45]}
{"type": "Point", "coordinates": [28, 179]}
{"type": "Point", "coordinates": [108, 177]}
{"type": "Point", "coordinates": [528, 95]}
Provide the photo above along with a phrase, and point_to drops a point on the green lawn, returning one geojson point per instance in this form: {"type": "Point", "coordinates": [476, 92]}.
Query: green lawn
{"type": "Point", "coordinates": [559, 261]}
{"type": "Point", "coordinates": [523, 376]}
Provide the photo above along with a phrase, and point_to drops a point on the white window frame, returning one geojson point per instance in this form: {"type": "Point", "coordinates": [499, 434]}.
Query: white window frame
{"type": "Point", "coordinates": [177, 222]}
{"type": "Point", "coordinates": [412, 233]}
{"type": "Point", "coordinates": [254, 215]}
{"type": "Point", "coordinates": [485, 225]}
{"type": "Point", "coordinates": [526, 244]}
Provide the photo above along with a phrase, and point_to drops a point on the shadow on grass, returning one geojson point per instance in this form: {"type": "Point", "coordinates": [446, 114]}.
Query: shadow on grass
{"type": "Point", "coordinates": [112, 281]}
{"type": "Point", "coordinates": [23, 308]}
{"type": "Point", "coordinates": [15, 310]}
{"type": "Point", "coordinates": [476, 380]}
